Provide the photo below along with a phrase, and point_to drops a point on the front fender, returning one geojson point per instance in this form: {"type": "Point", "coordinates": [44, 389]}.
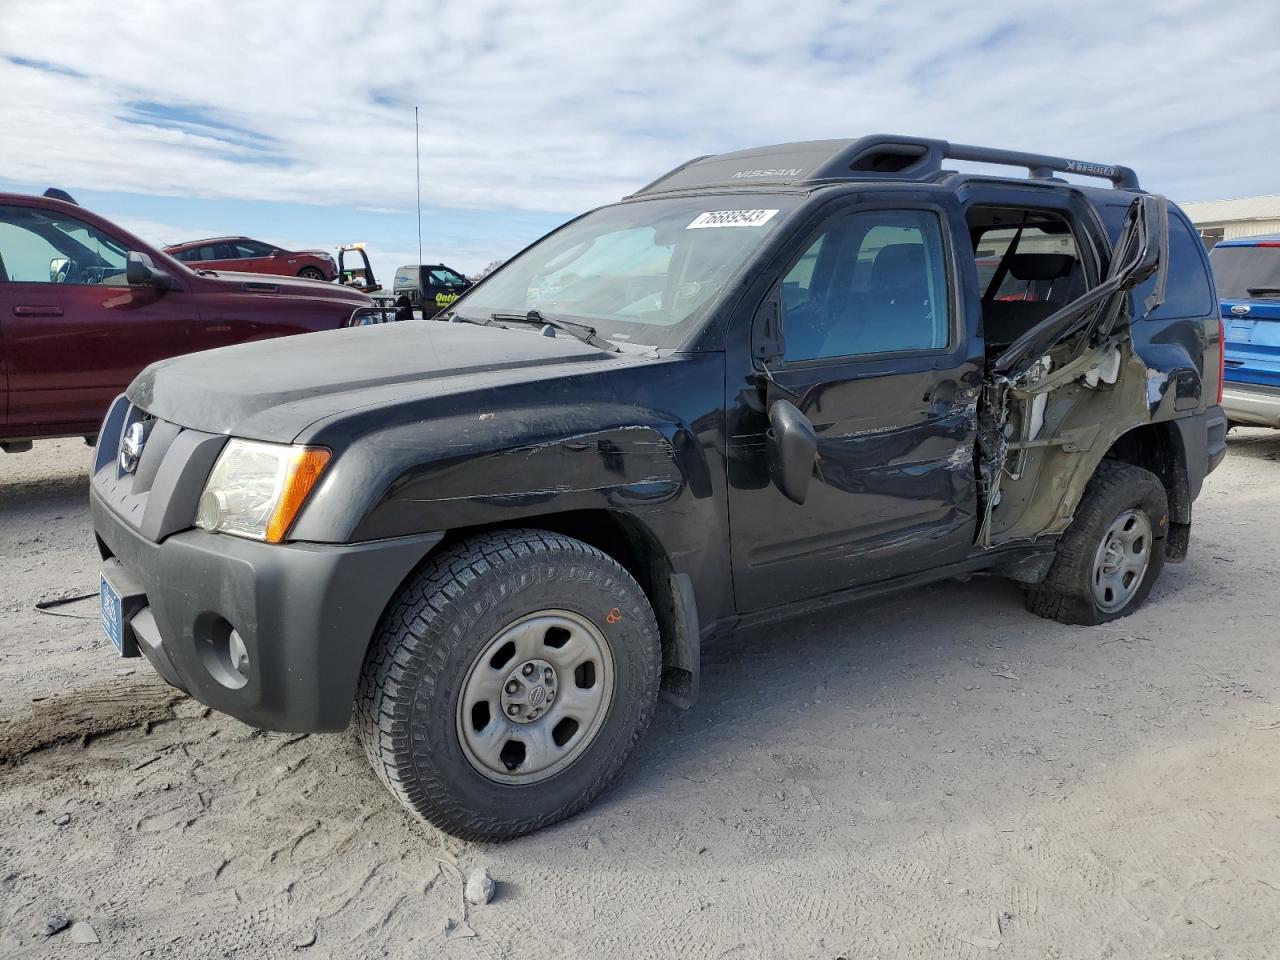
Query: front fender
{"type": "Point", "coordinates": [502, 466]}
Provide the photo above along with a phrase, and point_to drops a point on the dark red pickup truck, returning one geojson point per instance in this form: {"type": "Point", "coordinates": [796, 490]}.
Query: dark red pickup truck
{"type": "Point", "coordinates": [85, 305]}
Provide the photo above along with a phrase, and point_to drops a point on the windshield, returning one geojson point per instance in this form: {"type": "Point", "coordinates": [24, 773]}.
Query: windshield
{"type": "Point", "coordinates": [1237, 269]}
{"type": "Point", "coordinates": [643, 272]}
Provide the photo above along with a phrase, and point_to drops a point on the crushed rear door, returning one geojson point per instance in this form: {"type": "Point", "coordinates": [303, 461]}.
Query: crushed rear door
{"type": "Point", "coordinates": [1048, 396]}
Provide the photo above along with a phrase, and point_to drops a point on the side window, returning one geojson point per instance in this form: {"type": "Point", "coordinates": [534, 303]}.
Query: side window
{"type": "Point", "coordinates": [41, 247]}
{"type": "Point", "coordinates": [871, 283]}
{"type": "Point", "coordinates": [1187, 292]}
{"type": "Point", "coordinates": [446, 278]}
{"type": "Point", "coordinates": [208, 252]}
{"type": "Point", "coordinates": [245, 249]}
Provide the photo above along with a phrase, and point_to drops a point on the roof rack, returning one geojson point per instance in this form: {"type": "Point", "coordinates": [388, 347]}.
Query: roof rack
{"type": "Point", "coordinates": [874, 157]}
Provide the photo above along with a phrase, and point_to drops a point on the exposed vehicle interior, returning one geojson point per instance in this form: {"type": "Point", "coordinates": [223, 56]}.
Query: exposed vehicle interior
{"type": "Point", "coordinates": [1029, 266]}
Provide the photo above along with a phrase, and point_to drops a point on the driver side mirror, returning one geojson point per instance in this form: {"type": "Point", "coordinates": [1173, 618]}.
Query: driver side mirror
{"type": "Point", "coordinates": [59, 268]}
{"type": "Point", "coordinates": [277, 253]}
{"type": "Point", "coordinates": [792, 450]}
{"type": "Point", "coordinates": [140, 271]}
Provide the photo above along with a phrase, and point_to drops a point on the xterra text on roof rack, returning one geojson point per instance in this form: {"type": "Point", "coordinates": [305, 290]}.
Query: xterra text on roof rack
{"type": "Point", "coordinates": [767, 381]}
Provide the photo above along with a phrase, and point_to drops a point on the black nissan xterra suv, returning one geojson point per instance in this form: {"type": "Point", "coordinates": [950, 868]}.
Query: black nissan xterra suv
{"type": "Point", "coordinates": [767, 381]}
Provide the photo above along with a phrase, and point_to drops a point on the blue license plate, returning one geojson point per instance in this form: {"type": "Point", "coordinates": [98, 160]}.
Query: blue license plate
{"type": "Point", "coordinates": [112, 614]}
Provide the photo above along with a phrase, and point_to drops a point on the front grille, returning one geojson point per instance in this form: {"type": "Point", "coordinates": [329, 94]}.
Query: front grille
{"type": "Point", "coordinates": [158, 495]}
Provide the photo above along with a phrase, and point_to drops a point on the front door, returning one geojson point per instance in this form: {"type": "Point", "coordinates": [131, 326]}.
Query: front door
{"type": "Point", "coordinates": [441, 286]}
{"type": "Point", "coordinates": [878, 358]}
{"type": "Point", "coordinates": [75, 333]}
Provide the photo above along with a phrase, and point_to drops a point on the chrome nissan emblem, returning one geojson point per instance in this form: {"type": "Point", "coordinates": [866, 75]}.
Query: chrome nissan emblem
{"type": "Point", "coordinates": [1240, 309]}
{"type": "Point", "coordinates": [131, 446]}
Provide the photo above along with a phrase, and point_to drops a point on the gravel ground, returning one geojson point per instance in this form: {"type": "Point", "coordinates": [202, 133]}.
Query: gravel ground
{"type": "Point", "coordinates": [933, 775]}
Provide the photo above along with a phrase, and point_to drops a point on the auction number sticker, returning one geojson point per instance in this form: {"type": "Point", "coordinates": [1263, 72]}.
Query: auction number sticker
{"type": "Point", "coordinates": [731, 218]}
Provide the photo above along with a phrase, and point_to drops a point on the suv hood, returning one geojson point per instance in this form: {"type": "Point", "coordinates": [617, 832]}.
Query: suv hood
{"type": "Point", "coordinates": [270, 284]}
{"type": "Point", "coordinates": [274, 389]}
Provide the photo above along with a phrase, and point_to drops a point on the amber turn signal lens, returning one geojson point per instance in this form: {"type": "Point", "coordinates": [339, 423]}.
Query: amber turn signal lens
{"type": "Point", "coordinates": [302, 473]}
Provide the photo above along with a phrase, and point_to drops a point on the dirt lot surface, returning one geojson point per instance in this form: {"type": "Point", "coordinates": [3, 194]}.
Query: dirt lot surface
{"type": "Point", "coordinates": [939, 775]}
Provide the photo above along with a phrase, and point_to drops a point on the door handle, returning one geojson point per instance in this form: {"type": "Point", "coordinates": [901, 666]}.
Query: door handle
{"type": "Point", "coordinates": [41, 311]}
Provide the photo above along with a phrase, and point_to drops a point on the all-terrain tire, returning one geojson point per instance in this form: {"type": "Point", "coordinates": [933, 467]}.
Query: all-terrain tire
{"type": "Point", "coordinates": [430, 636]}
{"type": "Point", "coordinates": [1066, 593]}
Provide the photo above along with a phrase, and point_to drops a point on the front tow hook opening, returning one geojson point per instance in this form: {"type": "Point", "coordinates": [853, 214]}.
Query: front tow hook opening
{"type": "Point", "coordinates": [222, 651]}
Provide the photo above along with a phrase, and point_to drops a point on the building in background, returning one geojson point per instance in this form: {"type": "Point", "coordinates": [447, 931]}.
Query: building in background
{"type": "Point", "coordinates": [1226, 219]}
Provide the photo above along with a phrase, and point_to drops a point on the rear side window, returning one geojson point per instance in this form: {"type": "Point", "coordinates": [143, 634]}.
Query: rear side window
{"type": "Point", "coordinates": [871, 283]}
{"type": "Point", "coordinates": [1187, 290]}
{"type": "Point", "coordinates": [405, 277]}
{"type": "Point", "coordinates": [1247, 273]}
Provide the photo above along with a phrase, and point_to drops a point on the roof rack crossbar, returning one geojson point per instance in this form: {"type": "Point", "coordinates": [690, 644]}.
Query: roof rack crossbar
{"type": "Point", "coordinates": [1042, 165]}
{"type": "Point", "coordinates": [920, 158]}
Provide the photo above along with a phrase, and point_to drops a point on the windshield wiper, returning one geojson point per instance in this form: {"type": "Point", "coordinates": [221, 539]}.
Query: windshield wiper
{"type": "Point", "coordinates": [1258, 291]}
{"type": "Point", "coordinates": [580, 330]}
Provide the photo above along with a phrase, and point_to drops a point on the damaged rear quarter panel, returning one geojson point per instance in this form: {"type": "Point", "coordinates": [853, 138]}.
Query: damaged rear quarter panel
{"type": "Point", "coordinates": [1159, 381]}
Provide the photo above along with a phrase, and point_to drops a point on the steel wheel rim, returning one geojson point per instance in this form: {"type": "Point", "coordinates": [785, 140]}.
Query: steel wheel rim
{"type": "Point", "coordinates": [572, 667]}
{"type": "Point", "coordinates": [1121, 561]}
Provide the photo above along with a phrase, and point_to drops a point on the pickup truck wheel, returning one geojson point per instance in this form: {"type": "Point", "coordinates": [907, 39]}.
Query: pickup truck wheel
{"type": "Point", "coordinates": [1111, 554]}
{"type": "Point", "coordinates": [508, 682]}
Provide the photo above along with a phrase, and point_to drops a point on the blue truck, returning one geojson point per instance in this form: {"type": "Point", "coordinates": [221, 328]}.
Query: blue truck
{"type": "Point", "coordinates": [1247, 273]}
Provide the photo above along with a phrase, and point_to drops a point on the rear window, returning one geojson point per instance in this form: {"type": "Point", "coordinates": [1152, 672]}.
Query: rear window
{"type": "Point", "coordinates": [1247, 273]}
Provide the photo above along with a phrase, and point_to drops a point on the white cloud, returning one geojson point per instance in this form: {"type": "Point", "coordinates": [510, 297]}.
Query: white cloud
{"type": "Point", "coordinates": [561, 105]}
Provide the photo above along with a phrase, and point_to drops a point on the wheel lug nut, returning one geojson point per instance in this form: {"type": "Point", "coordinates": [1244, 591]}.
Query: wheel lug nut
{"type": "Point", "coordinates": [548, 675]}
{"type": "Point", "coordinates": [528, 669]}
{"type": "Point", "coordinates": [513, 687]}
{"type": "Point", "coordinates": [513, 709]}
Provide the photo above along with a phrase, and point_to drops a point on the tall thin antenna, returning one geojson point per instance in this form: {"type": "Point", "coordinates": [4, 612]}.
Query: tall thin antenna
{"type": "Point", "coordinates": [417, 169]}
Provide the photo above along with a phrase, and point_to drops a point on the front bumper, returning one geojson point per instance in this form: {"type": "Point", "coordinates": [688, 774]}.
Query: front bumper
{"type": "Point", "coordinates": [304, 611]}
{"type": "Point", "coordinates": [1251, 403]}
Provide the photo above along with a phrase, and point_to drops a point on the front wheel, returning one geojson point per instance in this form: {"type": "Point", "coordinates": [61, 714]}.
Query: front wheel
{"type": "Point", "coordinates": [1111, 554]}
{"type": "Point", "coordinates": [509, 680]}
{"type": "Point", "coordinates": [311, 273]}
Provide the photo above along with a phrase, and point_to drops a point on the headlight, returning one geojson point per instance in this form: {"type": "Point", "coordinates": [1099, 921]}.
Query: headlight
{"type": "Point", "coordinates": [256, 489]}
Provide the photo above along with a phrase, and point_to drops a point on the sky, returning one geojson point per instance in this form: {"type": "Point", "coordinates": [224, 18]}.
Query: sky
{"type": "Point", "coordinates": [294, 122]}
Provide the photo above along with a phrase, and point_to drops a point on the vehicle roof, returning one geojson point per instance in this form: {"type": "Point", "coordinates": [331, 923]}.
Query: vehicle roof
{"type": "Point", "coordinates": [32, 199]}
{"type": "Point", "coordinates": [879, 157]}
{"type": "Point", "coordinates": [196, 243]}
{"type": "Point", "coordinates": [1262, 240]}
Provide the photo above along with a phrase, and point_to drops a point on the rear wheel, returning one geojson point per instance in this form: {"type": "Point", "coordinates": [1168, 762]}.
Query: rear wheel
{"type": "Point", "coordinates": [508, 683]}
{"type": "Point", "coordinates": [1111, 554]}
{"type": "Point", "coordinates": [311, 273]}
